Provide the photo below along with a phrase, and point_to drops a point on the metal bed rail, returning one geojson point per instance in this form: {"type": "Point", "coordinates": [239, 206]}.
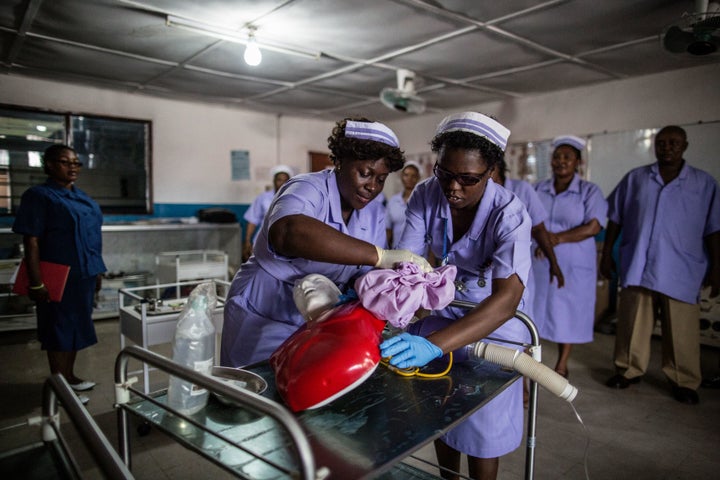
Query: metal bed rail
{"type": "Point", "coordinates": [536, 352]}
{"type": "Point", "coordinates": [284, 417]}
{"type": "Point", "coordinates": [56, 389]}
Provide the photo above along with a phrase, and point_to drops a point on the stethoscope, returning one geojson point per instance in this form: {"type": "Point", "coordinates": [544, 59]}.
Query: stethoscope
{"type": "Point", "coordinates": [460, 286]}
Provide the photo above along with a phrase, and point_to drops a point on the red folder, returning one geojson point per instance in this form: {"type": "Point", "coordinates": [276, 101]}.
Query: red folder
{"type": "Point", "coordinates": [54, 276]}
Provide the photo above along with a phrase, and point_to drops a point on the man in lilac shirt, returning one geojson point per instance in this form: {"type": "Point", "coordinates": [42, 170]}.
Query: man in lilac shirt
{"type": "Point", "coordinates": [669, 214]}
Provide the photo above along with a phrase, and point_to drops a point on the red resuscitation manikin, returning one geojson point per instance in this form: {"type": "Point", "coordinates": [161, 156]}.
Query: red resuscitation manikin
{"type": "Point", "coordinates": [327, 358]}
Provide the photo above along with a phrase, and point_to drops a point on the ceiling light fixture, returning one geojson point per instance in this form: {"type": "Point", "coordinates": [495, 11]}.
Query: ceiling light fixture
{"type": "Point", "coordinates": [235, 36]}
{"type": "Point", "coordinates": [253, 55]}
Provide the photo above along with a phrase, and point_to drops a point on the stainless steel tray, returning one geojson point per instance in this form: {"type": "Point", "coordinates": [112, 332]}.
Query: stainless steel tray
{"type": "Point", "coordinates": [239, 378]}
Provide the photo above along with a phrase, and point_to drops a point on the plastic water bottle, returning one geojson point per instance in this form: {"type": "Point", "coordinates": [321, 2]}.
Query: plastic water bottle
{"type": "Point", "coordinates": [194, 347]}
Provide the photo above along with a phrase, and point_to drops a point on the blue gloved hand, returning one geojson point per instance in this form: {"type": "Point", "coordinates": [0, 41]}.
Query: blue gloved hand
{"type": "Point", "coordinates": [409, 351]}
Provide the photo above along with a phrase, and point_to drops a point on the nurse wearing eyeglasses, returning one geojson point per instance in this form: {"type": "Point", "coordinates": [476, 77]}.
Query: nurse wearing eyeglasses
{"type": "Point", "coordinates": [469, 221]}
{"type": "Point", "coordinates": [61, 224]}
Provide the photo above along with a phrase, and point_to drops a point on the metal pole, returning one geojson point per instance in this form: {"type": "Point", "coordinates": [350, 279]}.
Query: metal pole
{"type": "Point", "coordinates": [56, 388]}
{"type": "Point", "coordinates": [532, 404]}
{"type": "Point", "coordinates": [257, 402]}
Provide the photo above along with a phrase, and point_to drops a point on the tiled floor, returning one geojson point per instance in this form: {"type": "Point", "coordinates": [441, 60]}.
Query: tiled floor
{"type": "Point", "coordinates": [640, 433]}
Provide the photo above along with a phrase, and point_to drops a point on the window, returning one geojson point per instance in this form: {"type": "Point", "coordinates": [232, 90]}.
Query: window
{"type": "Point", "coordinates": [115, 153]}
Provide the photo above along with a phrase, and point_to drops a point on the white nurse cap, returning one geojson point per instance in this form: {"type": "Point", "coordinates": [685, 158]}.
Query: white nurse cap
{"type": "Point", "coordinates": [411, 163]}
{"type": "Point", "coordinates": [478, 124]}
{"type": "Point", "coordinates": [375, 131]}
{"type": "Point", "coordinates": [575, 142]}
{"type": "Point", "coordinates": [281, 169]}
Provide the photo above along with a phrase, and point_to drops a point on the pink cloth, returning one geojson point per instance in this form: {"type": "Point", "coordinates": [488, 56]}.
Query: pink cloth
{"type": "Point", "coordinates": [396, 294]}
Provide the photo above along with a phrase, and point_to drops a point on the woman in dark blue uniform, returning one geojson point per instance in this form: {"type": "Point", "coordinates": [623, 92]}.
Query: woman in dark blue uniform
{"type": "Point", "coordinates": [62, 224]}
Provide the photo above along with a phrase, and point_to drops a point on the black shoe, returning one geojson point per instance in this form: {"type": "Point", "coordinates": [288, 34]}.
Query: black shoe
{"type": "Point", "coordinates": [608, 327]}
{"type": "Point", "coordinates": [712, 382]}
{"type": "Point", "coordinates": [620, 382]}
{"type": "Point", "coordinates": [685, 395]}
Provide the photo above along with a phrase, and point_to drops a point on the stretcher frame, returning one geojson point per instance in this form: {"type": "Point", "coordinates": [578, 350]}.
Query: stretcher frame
{"type": "Point", "coordinates": [57, 391]}
{"type": "Point", "coordinates": [305, 457]}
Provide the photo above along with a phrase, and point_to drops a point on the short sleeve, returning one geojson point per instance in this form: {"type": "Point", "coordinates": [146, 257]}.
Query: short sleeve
{"type": "Point", "coordinates": [415, 231]}
{"type": "Point", "coordinates": [512, 250]}
{"type": "Point", "coordinates": [30, 217]}
{"type": "Point", "coordinates": [712, 224]}
{"type": "Point", "coordinates": [616, 199]}
{"type": "Point", "coordinates": [297, 198]}
{"type": "Point", "coordinates": [534, 205]}
{"type": "Point", "coordinates": [595, 205]}
{"type": "Point", "coordinates": [254, 214]}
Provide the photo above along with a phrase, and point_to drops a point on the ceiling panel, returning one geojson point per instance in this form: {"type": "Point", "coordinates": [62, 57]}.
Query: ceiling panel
{"type": "Point", "coordinates": [357, 29]}
{"type": "Point", "coordinates": [308, 100]}
{"type": "Point", "coordinates": [201, 83]}
{"type": "Point", "coordinates": [325, 57]}
{"type": "Point", "coordinates": [649, 58]}
{"type": "Point", "coordinates": [276, 66]}
{"type": "Point", "coordinates": [364, 81]}
{"type": "Point", "coordinates": [112, 25]}
{"type": "Point", "coordinates": [58, 59]}
{"type": "Point", "coordinates": [219, 12]}
{"type": "Point", "coordinates": [457, 97]}
{"type": "Point", "coordinates": [481, 52]}
{"type": "Point", "coordinates": [551, 78]}
{"type": "Point", "coordinates": [488, 11]}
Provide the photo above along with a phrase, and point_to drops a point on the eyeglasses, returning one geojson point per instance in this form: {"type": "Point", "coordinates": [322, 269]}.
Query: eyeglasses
{"type": "Point", "coordinates": [464, 179]}
{"type": "Point", "coordinates": [67, 163]}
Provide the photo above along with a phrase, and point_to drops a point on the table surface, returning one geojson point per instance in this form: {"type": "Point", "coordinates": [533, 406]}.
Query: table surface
{"type": "Point", "coordinates": [362, 434]}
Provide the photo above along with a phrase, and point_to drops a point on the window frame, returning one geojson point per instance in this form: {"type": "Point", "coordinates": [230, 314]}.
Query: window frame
{"type": "Point", "coordinates": [109, 205]}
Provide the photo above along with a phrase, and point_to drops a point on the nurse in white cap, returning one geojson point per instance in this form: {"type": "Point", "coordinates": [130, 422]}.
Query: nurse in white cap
{"type": "Point", "coordinates": [326, 223]}
{"type": "Point", "coordinates": [466, 219]}
{"type": "Point", "coordinates": [576, 212]}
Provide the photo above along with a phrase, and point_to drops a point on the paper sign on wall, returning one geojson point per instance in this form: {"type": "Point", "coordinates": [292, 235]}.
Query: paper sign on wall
{"type": "Point", "coordinates": [240, 164]}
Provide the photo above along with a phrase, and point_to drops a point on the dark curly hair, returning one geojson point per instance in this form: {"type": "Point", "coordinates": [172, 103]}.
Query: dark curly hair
{"type": "Point", "coordinates": [491, 153]}
{"type": "Point", "coordinates": [502, 169]}
{"type": "Point", "coordinates": [52, 153]}
{"type": "Point", "coordinates": [343, 148]}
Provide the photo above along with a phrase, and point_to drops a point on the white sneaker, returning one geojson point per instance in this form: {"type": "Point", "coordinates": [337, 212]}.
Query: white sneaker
{"type": "Point", "coordinates": [83, 386]}
{"type": "Point", "coordinates": [84, 399]}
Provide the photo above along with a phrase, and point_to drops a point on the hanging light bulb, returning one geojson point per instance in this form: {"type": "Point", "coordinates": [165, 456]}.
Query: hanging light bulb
{"type": "Point", "coordinates": [253, 55]}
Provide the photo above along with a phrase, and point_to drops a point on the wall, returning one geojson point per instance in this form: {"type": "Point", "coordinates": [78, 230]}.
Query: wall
{"type": "Point", "coordinates": [191, 140]}
{"type": "Point", "coordinates": [677, 97]}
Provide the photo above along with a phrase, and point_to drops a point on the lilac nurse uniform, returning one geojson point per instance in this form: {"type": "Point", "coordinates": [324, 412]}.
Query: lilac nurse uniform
{"type": "Point", "coordinates": [535, 209]}
{"type": "Point", "coordinates": [260, 312]}
{"type": "Point", "coordinates": [395, 217]}
{"type": "Point", "coordinates": [567, 315]}
{"type": "Point", "coordinates": [259, 207]}
{"type": "Point", "coordinates": [497, 245]}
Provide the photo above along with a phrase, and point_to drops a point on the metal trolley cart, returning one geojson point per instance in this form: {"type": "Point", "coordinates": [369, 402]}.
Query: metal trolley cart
{"type": "Point", "coordinates": [148, 317]}
{"type": "Point", "coordinates": [366, 433]}
{"type": "Point", "coordinates": [52, 457]}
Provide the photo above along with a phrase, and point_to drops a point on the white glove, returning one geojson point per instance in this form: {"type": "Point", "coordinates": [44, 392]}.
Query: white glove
{"type": "Point", "coordinates": [389, 258]}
